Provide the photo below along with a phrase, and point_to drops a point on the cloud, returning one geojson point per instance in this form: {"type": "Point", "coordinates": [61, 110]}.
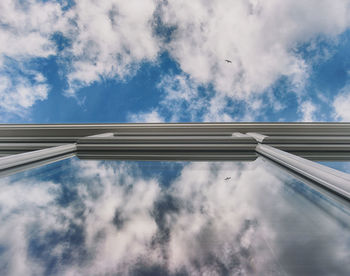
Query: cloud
{"type": "Point", "coordinates": [105, 40]}
{"type": "Point", "coordinates": [341, 105]}
{"type": "Point", "coordinates": [113, 39]}
{"type": "Point", "coordinates": [146, 117]}
{"type": "Point", "coordinates": [26, 29]}
{"type": "Point", "coordinates": [258, 37]}
{"type": "Point", "coordinates": [261, 39]}
{"type": "Point", "coordinates": [110, 39]}
{"type": "Point", "coordinates": [20, 89]}
{"type": "Point", "coordinates": [25, 34]}
{"type": "Point", "coordinates": [307, 110]}
{"type": "Point", "coordinates": [182, 99]}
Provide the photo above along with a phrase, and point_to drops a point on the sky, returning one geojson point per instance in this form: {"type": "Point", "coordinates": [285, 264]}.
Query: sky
{"type": "Point", "coordinates": [105, 61]}
{"type": "Point", "coordinates": [164, 61]}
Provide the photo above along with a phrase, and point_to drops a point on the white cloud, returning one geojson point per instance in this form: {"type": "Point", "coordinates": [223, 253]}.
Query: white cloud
{"type": "Point", "coordinates": [341, 105]}
{"type": "Point", "coordinates": [308, 110]}
{"type": "Point", "coordinates": [259, 38]}
{"type": "Point", "coordinates": [109, 40]}
{"type": "Point", "coordinates": [18, 92]}
{"type": "Point", "coordinates": [25, 32]}
{"type": "Point", "coordinates": [180, 97]}
{"type": "Point", "coordinates": [146, 117]}
{"type": "Point", "coordinates": [26, 28]}
{"type": "Point", "coordinates": [183, 99]}
{"type": "Point", "coordinates": [112, 39]}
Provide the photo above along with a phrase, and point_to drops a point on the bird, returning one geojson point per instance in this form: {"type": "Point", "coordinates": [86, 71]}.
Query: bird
{"type": "Point", "coordinates": [228, 61]}
{"type": "Point", "coordinates": [227, 178]}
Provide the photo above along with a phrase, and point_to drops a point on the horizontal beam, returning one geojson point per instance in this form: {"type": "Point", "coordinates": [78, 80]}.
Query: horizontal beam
{"type": "Point", "coordinates": [168, 140]}
{"type": "Point", "coordinates": [27, 146]}
{"type": "Point", "coordinates": [288, 139]}
{"type": "Point", "coordinates": [222, 129]}
{"type": "Point", "coordinates": [167, 147]}
{"type": "Point", "coordinates": [38, 139]}
{"type": "Point", "coordinates": [167, 156]}
{"type": "Point", "coordinates": [317, 151]}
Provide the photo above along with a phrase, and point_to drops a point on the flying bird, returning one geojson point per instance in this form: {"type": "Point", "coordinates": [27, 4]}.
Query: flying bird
{"type": "Point", "coordinates": [228, 61]}
{"type": "Point", "coordinates": [228, 178]}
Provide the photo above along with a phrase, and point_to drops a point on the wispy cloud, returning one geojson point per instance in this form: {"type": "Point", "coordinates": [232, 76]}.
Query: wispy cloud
{"type": "Point", "coordinates": [308, 109]}
{"type": "Point", "coordinates": [20, 88]}
{"type": "Point", "coordinates": [152, 116]}
{"type": "Point", "coordinates": [261, 41]}
{"type": "Point", "coordinates": [341, 105]}
{"type": "Point", "coordinates": [109, 40]}
{"type": "Point", "coordinates": [25, 34]}
{"type": "Point", "coordinates": [258, 37]}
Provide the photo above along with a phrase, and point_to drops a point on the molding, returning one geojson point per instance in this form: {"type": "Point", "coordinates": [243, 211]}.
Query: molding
{"type": "Point", "coordinates": [200, 142]}
{"type": "Point", "coordinates": [164, 140]}
{"type": "Point", "coordinates": [221, 129]}
{"type": "Point", "coordinates": [24, 147]}
{"type": "Point", "coordinates": [167, 147]}
{"type": "Point", "coordinates": [167, 156]}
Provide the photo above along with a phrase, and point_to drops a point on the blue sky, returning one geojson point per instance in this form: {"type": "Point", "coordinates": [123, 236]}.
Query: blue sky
{"type": "Point", "coordinates": [95, 61]}
{"type": "Point", "coordinates": [164, 61]}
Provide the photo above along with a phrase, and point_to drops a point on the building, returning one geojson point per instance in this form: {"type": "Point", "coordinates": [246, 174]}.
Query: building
{"type": "Point", "coordinates": [263, 198]}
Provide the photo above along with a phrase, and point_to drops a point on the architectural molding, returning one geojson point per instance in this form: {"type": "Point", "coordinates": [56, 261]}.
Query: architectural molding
{"type": "Point", "coordinates": [279, 142]}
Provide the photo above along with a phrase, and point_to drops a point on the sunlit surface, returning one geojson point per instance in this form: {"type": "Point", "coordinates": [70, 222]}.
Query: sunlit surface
{"type": "Point", "coordinates": [77, 217]}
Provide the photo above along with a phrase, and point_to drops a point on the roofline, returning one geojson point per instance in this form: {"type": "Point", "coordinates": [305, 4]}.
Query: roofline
{"type": "Point", "coordinates": [206, 128]}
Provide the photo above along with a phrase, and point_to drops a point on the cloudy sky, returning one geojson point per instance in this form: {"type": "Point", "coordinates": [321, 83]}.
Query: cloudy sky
{"type": "Point", "coordinates": [157, 60]}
